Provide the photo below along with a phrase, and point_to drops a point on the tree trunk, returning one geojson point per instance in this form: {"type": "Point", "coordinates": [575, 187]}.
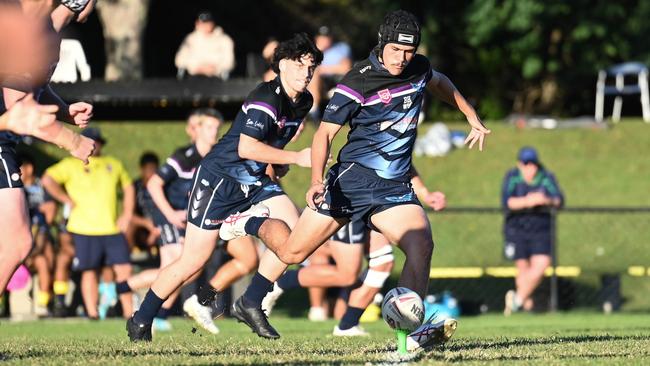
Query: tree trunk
{"type": "Point", "coordinates": [123, 22]}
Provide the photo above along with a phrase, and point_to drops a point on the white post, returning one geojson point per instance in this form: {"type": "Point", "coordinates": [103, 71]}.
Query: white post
{"type": "Point", "coordinates": [618, 101]}
{"type": "Point", "coordinates": [600, 95]}
{"type": "Point", "coordinates": [645, 98]}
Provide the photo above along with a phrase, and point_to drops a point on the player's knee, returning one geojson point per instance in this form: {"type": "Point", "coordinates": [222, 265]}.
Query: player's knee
{"type": "Point", "coordinates": [291, 256]}
{"type": "Point", "coordinates": [347, 279]}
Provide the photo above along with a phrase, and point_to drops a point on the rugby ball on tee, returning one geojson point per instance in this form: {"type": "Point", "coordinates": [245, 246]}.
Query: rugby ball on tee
{"type": "Point", "coordinates": [402, 309]}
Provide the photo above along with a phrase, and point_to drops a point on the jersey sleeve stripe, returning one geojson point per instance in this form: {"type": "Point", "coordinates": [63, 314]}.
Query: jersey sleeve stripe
{"type": "Point", "coordinates": [181, 173]}
{"type": "Point", "coordinates": [264, 107]}
{"type": "Point", "coordinates": [349, 92]}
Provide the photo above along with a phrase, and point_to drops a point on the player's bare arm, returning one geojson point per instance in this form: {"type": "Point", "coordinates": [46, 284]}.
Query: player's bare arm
{"type": "Point", "coordinates": [253, 149]}
{"type": "Point", "coordinates": [155, 186]}
{"type": "Point", "coordinates": [320, 153]}
{"type": "Point", "coordinates": [436, 200]}
{"type": "Point", "coordinates": [441, 87]}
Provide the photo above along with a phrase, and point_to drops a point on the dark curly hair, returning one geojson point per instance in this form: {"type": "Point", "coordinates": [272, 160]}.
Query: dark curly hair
{"type": "Point", "coordinates": [294, 49]}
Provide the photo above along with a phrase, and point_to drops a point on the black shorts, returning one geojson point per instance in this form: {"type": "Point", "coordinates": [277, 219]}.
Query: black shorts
{"type": "Point", "coordinates": [525, 246]}
{"type": "Point", "coordinates": [354, 232]}
{"type": "Point", "coordinates": [170, 234]}
{"type": "Point", "coordinates": [357, 193]}
{"type": "Point", "coordinates": [95, 251]}
{"type": "Point", "coordinates": [9, 168]}
{"type": "Point", "coordinates": [215, 197]}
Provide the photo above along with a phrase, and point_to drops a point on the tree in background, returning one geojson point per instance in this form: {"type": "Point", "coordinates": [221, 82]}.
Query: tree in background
{"type": "Point", "coordinates": [123, 22]}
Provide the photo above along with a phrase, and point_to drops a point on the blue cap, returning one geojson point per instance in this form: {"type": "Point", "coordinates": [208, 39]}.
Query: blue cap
{"type": "Point", "coordinates": [528, 154]}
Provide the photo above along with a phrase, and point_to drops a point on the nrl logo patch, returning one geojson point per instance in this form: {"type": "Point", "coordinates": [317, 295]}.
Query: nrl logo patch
{"type": "Point", "coordinates": [385, 96]}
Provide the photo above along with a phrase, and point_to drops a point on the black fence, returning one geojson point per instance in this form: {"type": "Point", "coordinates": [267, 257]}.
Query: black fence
{"type": "Point", "coordinates": [599, 259]}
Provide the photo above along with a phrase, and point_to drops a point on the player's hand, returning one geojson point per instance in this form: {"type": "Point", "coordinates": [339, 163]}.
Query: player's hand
{"type": "Point", "coordinates": [27, 117]}
{"type": "Point", "coordinates": [123, 222]}
{"type": "Point", "coordinates": [478, 133]}
{"type": "Point", "coordinates": [81, 113]}
{"type": "Point", "coordinates": [315, 195]}
{"type": "Point", "coordinates": [436, 200]}
{"type": "Point", "coordinates": [303, 158]}
{"type": "Point", "coordinates": [178, 218]}
{"type": "Point", "coordinates": [83, 149]}
{"type": "Point", "coordinates": [280, 170]}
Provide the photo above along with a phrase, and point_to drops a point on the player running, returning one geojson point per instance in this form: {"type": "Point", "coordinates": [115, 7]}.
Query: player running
{"type": "Point", "coordinates": [232, 177]}
{"type": "Point", "coordinates": [381, 98]}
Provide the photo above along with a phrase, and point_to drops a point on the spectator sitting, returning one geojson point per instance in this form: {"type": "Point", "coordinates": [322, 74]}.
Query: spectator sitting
{"type": "Point", "coordinates": [207, 51]}
{"type": "Point", "coordinates": [528, 191]}
{"type": "Point", "coordinates": [337, 61]}
{"type": "Point", "coordinates": [267, 55]}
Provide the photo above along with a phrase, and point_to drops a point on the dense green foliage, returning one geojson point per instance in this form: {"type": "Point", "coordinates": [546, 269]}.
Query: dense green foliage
{"type": "Point", "coordinates": [507, 55]}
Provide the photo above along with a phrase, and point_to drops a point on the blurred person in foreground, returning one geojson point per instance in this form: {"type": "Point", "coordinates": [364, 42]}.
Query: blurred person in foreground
{"type": "Point", "coordinates": [529, 192]}
{"type": "Point", "coordinates": [208, 51]}
{"type": "Point", "coordinates": [92, 191]}
{"type": "Point", "coordinates": [22, 89]}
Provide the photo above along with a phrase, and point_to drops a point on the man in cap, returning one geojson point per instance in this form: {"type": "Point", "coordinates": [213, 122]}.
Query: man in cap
{"type": "Point", "coordinates": [92, 192]}
{"type": "Point", "coordinates": [208, 51]}
{"type": "Point", "coordinates": [529, 190]}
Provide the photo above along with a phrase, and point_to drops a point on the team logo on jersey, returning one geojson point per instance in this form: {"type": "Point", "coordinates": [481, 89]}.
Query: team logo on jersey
{"type": "Point", "coordinates": [277, 90]}
{"type": "Point", "coordinates": [109, 167]}
{"type": "Point", "coordinates": [385, 96]}
{"type": "Point", "coordinates": [407, 102]}
{"type": "Point", "coordinates": [365, 69]}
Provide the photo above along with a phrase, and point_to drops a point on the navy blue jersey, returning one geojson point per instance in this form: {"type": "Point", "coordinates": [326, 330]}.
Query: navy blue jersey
{"type": "Point", "coordinates": [529, 222]}
{"type": "Point", "coordinates": [144, 205]}
{"type": "Point", "coordinates": [177, 173]}
{"type": "Point", "coordinates": [267, 115]}
{"type": "Point", "coordinates": [383, 111]}
{"type": "Point", "coordinates": [36, 195]}
{"type": "Point", "coordinates": [27, 84]}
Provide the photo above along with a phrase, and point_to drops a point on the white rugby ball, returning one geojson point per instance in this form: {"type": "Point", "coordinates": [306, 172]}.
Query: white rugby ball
{"type": "Point", "coordinates": [402, 309]}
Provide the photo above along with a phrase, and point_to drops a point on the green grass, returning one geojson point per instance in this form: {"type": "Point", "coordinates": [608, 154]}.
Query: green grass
{"type": "Point", "coordinates": [566, 339]}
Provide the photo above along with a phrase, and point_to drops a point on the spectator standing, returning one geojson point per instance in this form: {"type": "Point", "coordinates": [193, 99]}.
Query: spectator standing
{"type": "Point", "coordinates": [528, 192]}
{"type": "Point", "coordinates": [337, 61]}
{"type": "Point", "coordinates": [92, 192]}
{"type": "Point", "coordinates": [208, 51]}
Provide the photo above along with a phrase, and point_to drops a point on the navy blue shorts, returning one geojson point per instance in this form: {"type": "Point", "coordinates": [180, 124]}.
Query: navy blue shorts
{"type": "Point", "coordinates": [95, 251]}
{"type": "Point", "coordinates": [357, 193]}
{"type": "Point", "coordinates": [215, 197]}
{"type": "Point", "coordinates": [169, 234]}
{"type": "Point", "coordinates": [9, 168]}
{"type": "Point", "coordinates": [354, 232]}
{"type": "Point", "coordinates": [525, 246]}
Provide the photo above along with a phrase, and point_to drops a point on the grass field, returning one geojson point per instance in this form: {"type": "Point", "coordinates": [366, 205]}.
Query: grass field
{"type": "Point", "coordinates": [566, 339]}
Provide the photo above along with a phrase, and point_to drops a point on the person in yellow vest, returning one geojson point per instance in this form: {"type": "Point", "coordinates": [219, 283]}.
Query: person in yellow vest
{"type": "Point", "coordinates": [92, 192]}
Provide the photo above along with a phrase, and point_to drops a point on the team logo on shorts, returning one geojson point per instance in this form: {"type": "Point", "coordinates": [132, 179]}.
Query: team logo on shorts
{"type": "Point", "coordinates": [403, 198]}
{"type": "Point", "coordinates": [385, 96]}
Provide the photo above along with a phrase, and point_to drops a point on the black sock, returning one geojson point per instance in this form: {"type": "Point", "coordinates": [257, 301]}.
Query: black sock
{"type": "Point", "coordinates": [163, 313]}
{"type": "Point", "coordinates": [206, 294]}
{"type": "Point", "coordinates": [259, 287]}
{"type": "Point", "coordinates": [123, 287]}
{"type": "Point", "coordinates": [253, 225]}
{"type": "Point", "coordinates": [149, 308]}
{"type": "Point", "coordinates": [350, 318]}
{"type": "Point", "coordinates": [289, 280]}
